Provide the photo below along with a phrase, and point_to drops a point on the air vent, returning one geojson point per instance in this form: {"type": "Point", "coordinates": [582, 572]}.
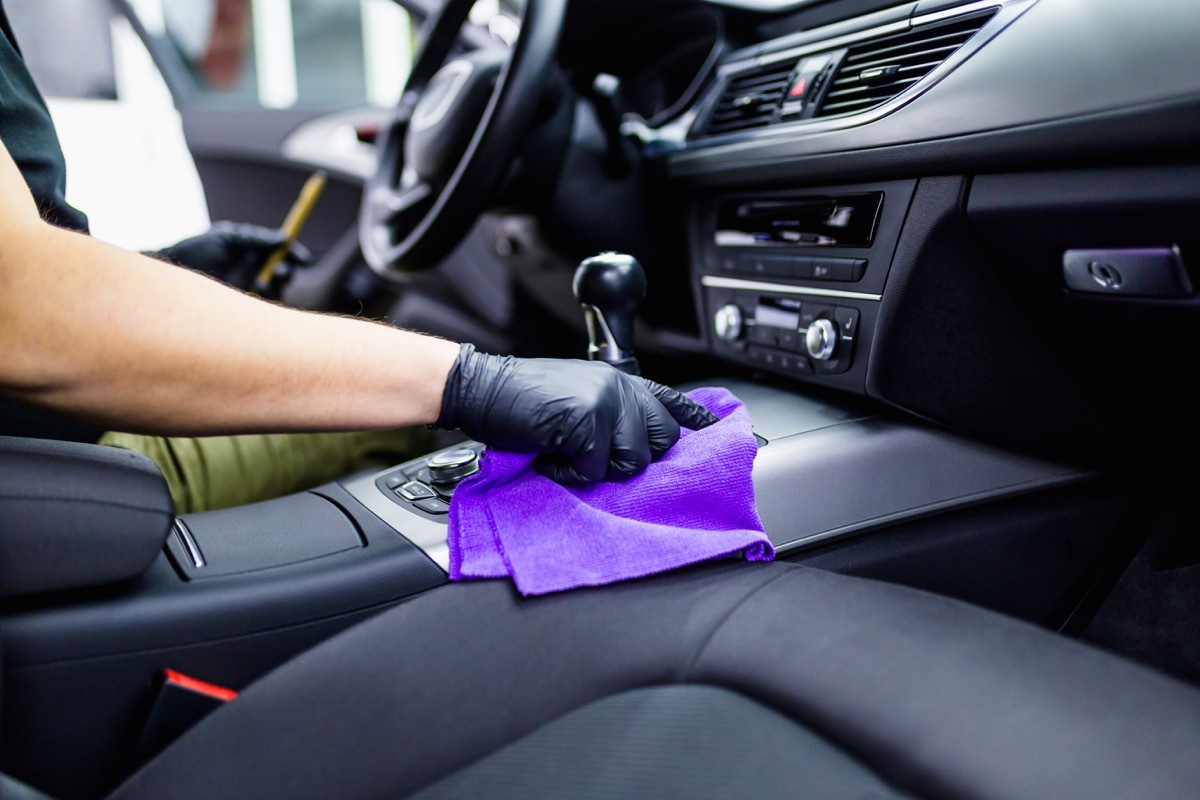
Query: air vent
{"type": "Point", "coordinates": [751, 98]}
{"type": "Point", "coordinates": [876, 71]}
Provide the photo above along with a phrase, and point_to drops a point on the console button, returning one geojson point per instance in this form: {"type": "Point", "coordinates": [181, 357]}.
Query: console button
{"type": "Point", "coordinates": [858, 269]}
{"type": "Point", "coordinates": [761, 334]}
{"type": "Point", "coordinates": [395, 479]}
{"type": "Point", "coordinates": [414, 490]}
{"type": "Point", "coordinates": [786, 339]}
{"type": "Point", "coordinates": [774, 360]}
{"type": "Point", "coordinates": [433, 505]}
{"type": "Point", "coordinates": [419, 472]}
{"type": "Point", "coordinates": [756, 355]}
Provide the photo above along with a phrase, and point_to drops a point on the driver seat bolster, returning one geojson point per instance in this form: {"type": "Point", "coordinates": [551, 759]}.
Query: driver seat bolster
{"type": "Point", "coordinates": [920, 693]}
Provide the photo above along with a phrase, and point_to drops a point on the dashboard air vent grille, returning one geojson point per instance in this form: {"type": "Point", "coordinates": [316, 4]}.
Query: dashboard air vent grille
{"type": "Point", "coordinates": [751, 98]}
{"type": "Point", "coordinates": [876, 71]}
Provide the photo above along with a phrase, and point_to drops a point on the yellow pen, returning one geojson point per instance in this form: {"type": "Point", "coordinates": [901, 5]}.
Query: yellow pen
{"type": "Point", "coordinates": [296, 217]}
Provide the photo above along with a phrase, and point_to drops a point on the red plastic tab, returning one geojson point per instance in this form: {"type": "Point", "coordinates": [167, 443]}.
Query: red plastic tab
{"type": "Point", "coordinates": [199, 686]}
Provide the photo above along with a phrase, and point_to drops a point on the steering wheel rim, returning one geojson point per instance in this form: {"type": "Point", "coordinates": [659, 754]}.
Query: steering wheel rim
{"type": "Point", "coordinates": [406, 224]}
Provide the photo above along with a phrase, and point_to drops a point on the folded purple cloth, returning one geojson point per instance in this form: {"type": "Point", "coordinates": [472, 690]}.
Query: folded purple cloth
{"type": "Point", "coordinates": [693, 504]}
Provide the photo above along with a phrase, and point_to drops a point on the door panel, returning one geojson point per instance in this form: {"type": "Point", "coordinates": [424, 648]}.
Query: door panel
{"type": "Point", "coordinates": [251, 76]}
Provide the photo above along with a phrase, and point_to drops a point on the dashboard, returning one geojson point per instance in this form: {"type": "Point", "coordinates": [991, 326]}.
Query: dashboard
{"type": "Point", "coordinates": [980, 213]}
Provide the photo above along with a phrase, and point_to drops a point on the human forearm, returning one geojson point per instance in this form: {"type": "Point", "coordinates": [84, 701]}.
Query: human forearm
{"type": "Point", "coordinates": [117, 339]}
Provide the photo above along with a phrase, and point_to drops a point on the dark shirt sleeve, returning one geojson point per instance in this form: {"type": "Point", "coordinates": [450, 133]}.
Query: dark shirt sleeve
{"type": "Point", "coordinates": [28, 132]}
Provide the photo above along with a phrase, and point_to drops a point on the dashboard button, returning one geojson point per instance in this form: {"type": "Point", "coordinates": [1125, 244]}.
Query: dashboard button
{"type": "Point", "coordinates": [770, 266]}
{"type": "Point", "coordinates": [802, 267]}
{"type": "Point", "coordinates": [761, 334]}
{"type": "Point", "coordinates": [842, 269]}
{"type": "Point", "coordinates": [822, 269]}
{"type": "Point", "coordinates": [847, 320]}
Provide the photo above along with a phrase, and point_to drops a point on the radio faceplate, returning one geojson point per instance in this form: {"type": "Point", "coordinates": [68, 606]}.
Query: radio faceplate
{"type": "Point", "coordinates": [790, 281]}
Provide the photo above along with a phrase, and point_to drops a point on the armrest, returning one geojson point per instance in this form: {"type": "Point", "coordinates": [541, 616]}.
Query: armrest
{"type": "Point", "coordinates": [77, 515]}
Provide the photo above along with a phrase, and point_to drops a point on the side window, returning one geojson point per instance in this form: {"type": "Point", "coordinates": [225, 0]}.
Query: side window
{"type": "Point", "coordinates": [283, 53]}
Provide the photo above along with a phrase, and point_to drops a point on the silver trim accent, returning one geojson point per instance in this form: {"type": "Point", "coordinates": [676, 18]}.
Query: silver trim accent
{"type": "Point", "coordinates": [820, 339]}
{"type": "Point", "coordinates": [950, 13]}
{"type": "Point", "coordinates": [1008, 10]}
{"type": "Point", "coordinates": [600, 336]}
{"type": "Point", "coordinates": [727, 323]}
{"type": "Point", "coordinates": [427, 535]}
{"type": "Point", "coordinates": [188, 542]}
{"type": "Point", "coordinates": [736, 283]}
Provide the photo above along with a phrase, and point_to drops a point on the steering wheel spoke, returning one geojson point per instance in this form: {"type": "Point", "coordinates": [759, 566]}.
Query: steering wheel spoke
{"type": "Point", "coordinates": [406, 199]}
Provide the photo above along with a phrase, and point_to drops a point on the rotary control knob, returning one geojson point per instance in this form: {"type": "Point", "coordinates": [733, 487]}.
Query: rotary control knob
{"type": "Point", "coordinates": [452, 466]}
{"type": "Point", "coordinates": [727, 323]}
{"type": "Point", "coordinates": [821, 339]}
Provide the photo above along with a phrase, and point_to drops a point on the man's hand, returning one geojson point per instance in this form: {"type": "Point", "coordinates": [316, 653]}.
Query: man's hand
{"type": "Point", "coordinates": [235, 252]}
{"type": "Point", "coordinates": [590, 421]}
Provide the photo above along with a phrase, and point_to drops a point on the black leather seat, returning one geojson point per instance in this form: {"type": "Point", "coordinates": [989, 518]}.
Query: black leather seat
{"type": "Point", "coordinates": [717, 681]}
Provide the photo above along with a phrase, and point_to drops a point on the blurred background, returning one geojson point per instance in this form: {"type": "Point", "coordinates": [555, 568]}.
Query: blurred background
{"type": "Point", "coordinates": [117, 75]}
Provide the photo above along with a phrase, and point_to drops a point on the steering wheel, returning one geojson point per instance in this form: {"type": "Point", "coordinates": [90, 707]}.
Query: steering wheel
{"type": "Point", "coordinates": [452, 137]}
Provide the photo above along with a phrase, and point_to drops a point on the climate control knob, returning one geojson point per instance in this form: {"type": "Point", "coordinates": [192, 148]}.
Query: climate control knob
{"type": "Point", "coordinates": [727, 323]}
{"type": "Point", "coordinates": [821, 340]}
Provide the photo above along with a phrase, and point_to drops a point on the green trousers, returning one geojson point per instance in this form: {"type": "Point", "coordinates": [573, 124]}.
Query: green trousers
{"type": "Point", "coordinates": [221, 471]}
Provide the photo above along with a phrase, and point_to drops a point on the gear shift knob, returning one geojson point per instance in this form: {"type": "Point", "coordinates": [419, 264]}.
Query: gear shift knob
{"type": "Point", "coordinates": [610, 287]}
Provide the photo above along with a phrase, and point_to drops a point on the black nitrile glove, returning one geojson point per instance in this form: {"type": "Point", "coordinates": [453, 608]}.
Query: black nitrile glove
{"type": "Point", "coordinates": [591, 422]}
{"type": "Point", "coordinates": [234, 252]}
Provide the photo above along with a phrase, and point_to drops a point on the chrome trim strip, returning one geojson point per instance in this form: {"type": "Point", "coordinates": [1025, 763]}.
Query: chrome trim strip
{"type": "Point", "coordinates": [949, 13]}
{"type": "Point", "coordinates": [717, 282]}
{"type": "Point", "coordinates": [188, 542]}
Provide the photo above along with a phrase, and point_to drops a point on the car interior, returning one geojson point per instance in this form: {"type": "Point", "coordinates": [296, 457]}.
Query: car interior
{"type": "Point", "coordinates": [945, 251]}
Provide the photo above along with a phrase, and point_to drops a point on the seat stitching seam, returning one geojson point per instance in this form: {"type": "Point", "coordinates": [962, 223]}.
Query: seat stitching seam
{"type": "Point", "coordinates": [720, 624]}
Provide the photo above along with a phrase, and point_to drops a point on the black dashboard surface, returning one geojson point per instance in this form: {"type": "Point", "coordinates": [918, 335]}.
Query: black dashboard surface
{"type": "Point", "coordinates": [1060, 125]}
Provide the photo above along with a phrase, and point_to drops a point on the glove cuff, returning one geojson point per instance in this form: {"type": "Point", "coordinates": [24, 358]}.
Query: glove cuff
{"type": "Point", "coordinates": [457, 383]}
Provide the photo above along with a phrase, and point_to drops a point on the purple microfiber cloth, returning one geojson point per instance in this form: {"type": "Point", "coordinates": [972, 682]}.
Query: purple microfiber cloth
{"type": "Point", "coordinates": [693, 504]}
